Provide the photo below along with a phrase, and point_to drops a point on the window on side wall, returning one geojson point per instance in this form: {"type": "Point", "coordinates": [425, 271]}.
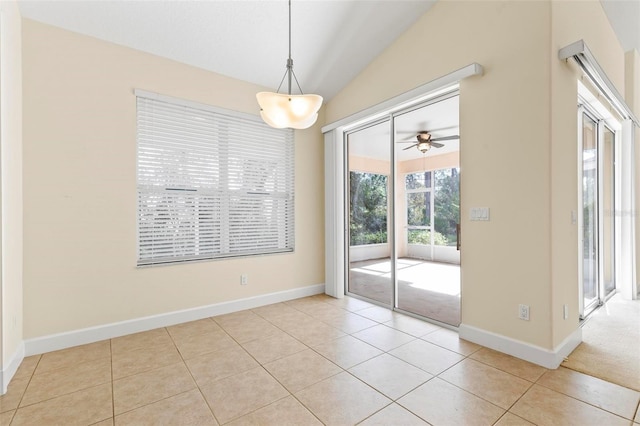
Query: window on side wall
{"type": "Point", "coordinates": [211, 183]}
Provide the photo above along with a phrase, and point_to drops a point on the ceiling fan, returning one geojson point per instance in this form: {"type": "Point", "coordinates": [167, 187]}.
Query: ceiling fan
{"type": "Point", "coordinates": [425, 141]}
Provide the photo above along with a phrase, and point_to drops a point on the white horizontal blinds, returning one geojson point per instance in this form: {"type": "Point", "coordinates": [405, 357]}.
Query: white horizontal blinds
{"type": "Point", "coordinates": [210, 185]}
{"type": "Point", "coordinates": [260, 187]}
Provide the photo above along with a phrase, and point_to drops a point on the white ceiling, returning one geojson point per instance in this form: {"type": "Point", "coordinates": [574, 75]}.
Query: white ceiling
{"type": "Point", "coordinates": [333, 40]}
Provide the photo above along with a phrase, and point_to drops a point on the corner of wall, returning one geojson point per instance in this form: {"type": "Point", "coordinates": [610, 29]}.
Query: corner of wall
{"type": "Point", "coordinates": [11, 217]}
{"type": "Point", "coordinates": [10, 367]}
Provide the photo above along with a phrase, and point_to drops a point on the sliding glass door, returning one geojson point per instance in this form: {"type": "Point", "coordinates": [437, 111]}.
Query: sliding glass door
{"type": "Point", "coordinates": [428, 207]}
{"type": "Point", "coordinates": [403, 199]}
{"type": "Point", "coordinates": [608, 216]}
{"type": "Point", "coordinates": [597, 218]}
{"type": "Point", "coordinates": [371, 273]}
{"type": "Point", "coordinates": [590, 296]}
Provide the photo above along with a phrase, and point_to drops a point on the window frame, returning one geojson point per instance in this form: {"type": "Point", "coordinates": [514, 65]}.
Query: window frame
{"type": "Point", "coordinates": [225, 185]}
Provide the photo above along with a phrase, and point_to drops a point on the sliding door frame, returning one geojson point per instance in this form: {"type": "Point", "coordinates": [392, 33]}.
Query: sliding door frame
{"type": "Point", "coordinates": [601, 296]}
{"type": "Point", "coordinates": [391, 229]}
{"type": "Point", "coordinates": [392, 181]}
{"type": "Point", "coordinates": [335, 227]}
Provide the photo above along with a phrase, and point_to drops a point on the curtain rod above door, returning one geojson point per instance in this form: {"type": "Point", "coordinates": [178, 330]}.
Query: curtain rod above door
{"type": "Point", "coordinates": [580, 52]}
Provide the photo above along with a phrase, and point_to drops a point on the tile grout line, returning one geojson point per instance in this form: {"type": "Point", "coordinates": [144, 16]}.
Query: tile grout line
{"type": "Point", "coordinates": [308, 346]}
{"type": "Point", "coordinates": [195, 382]}
{"type": "Point", "coordinates": [342, 370]}
{"type": "Point", "coordinates": [18, 407]}
{"type": "Point", "coordinates": [438, 375]}
{"type": "Point", "coordinates": [392, 400]}
{"type": "Point", "coordinates": [587, 402]}
{"type": "Point", "coordinates": [113, 388]}
{"type": "Point", "coordinates": [269, 373]}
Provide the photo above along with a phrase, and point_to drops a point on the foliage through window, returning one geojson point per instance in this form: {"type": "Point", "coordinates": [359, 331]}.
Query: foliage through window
{"type": "Point", "coordinates": [433, 207]}
{"type": "Point", "coordinates": [368, 208]}
{"type": "Point", "coordinates": [446, 206]}
{"type": "Point", "coordinates": [211, 183]}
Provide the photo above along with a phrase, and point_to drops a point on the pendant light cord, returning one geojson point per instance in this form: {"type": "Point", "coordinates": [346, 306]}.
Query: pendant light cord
{"type": "Point", "coordinates": [290, 32]}
{"type": "Point", "coordinates": [289, 72]}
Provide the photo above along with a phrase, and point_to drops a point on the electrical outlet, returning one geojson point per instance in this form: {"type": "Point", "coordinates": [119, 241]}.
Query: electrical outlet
{"type": "Point", "coordinates": [523, 312]}
{"type": "Point", "coordinates": [244, 280]}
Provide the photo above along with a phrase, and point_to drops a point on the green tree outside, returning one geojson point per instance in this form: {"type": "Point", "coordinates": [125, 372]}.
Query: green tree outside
{"type": "Point", "coordinates": [368, 208]}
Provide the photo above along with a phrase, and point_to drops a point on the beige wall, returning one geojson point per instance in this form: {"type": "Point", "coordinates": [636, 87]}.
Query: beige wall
{"type": "Point", "coordinates": [11, 179]}
{"type": "Point", "coordinates": [632, 80]}
{"type": "Point", "coordinates": [514, 159]}
{"type": "Point", "coordinates": [80, 189]}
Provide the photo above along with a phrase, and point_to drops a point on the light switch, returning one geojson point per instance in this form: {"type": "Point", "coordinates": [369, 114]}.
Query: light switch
{"type": "Point", "coordinates": [479, 213]}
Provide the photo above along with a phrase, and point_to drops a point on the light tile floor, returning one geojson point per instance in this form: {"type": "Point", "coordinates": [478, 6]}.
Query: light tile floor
{"type": "Point", "coordinates": [310, 361]}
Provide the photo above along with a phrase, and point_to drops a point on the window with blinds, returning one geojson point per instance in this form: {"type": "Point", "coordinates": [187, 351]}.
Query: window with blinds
{"type": "Point", "coordinates": [211, 183]}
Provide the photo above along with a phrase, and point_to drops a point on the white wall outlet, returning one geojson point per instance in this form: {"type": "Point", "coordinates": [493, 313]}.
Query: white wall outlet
{"type": "Point", "coordinates": [565, 311]}
{"type": "Point", "coordinates": [523, 312]}
{"type": "Point", "coordinates": [244, 279]}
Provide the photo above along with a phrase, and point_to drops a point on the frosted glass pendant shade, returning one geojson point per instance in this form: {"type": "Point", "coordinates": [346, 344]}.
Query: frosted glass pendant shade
{"type": "Point", "coordinates": [280, 110]}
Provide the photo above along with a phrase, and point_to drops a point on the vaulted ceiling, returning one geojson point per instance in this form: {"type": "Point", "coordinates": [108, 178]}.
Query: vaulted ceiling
{"type": "Point", "coordinates": [332, 40]}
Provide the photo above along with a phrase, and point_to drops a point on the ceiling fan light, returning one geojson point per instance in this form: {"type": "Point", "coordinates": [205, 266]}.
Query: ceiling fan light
{"type": "Point", "coordinates": [424, 146]}
{"type": "Point", "coordinates": [280, 110]}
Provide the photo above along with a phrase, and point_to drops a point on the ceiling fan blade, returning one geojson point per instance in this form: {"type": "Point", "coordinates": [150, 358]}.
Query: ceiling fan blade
{"type": "Point", "coordinates": [436, 145]}
{"type": "Point", "coordinates": [409, 147]}
{"type": "Point", "coordinates": [408, 140]}
{"type": "Point", "coordinates": [446, 138]}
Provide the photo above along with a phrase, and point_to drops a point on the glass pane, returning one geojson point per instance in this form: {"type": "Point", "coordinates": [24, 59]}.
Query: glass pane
{"type": "Point", "coordinates": [419, 209]}
{"type": "Point", "coordinates": [589, 213]}
{"type": "Point", "coordinates": [368, 208]}
{"type": "Point", "coordinates": [418, 180]}
{"type": "Point", "coordinates": [369, 154]}
{"type": "Point", "coordinates": [419, 236]}
{"type": "Point", "coordinates": [608, 221]}
{"type": "Point", "coordinates": [427, 263]}
{"type": "Point", "coordinates": [447, 206]}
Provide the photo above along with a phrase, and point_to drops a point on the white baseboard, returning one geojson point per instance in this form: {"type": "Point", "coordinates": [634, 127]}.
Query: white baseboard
{"type": "Point", "coordinates": [10, 369]}
{"type": "Point", "coordinates": [83, 336]}
{"type": "Point", "coordinates": [532, 353]}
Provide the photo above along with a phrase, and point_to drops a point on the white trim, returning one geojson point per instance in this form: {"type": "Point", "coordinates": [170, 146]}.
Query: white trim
{"type": "Point", "coordinates": [12, 366]}
{"type": "Point", "coordinates": [334, 220]}
{"type": "Point", "coordinates": [526, 351]}
{"type": "Point", "coordinates": [431, 89]}
{"type": "Point", "coordinates": [580, 211]}
{"type": "Point", "coordinates": [626, 281]}
{"type": "Point", "coordinates": [83, 336]}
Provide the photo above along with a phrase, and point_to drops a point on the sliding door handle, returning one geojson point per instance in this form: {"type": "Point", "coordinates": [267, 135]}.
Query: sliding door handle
{"type": "Point", "coordinates": [458, 236]}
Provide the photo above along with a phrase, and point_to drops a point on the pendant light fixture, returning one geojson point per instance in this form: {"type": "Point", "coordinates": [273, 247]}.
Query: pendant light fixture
{"type": "Point", "coordinates": [282, 110]}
